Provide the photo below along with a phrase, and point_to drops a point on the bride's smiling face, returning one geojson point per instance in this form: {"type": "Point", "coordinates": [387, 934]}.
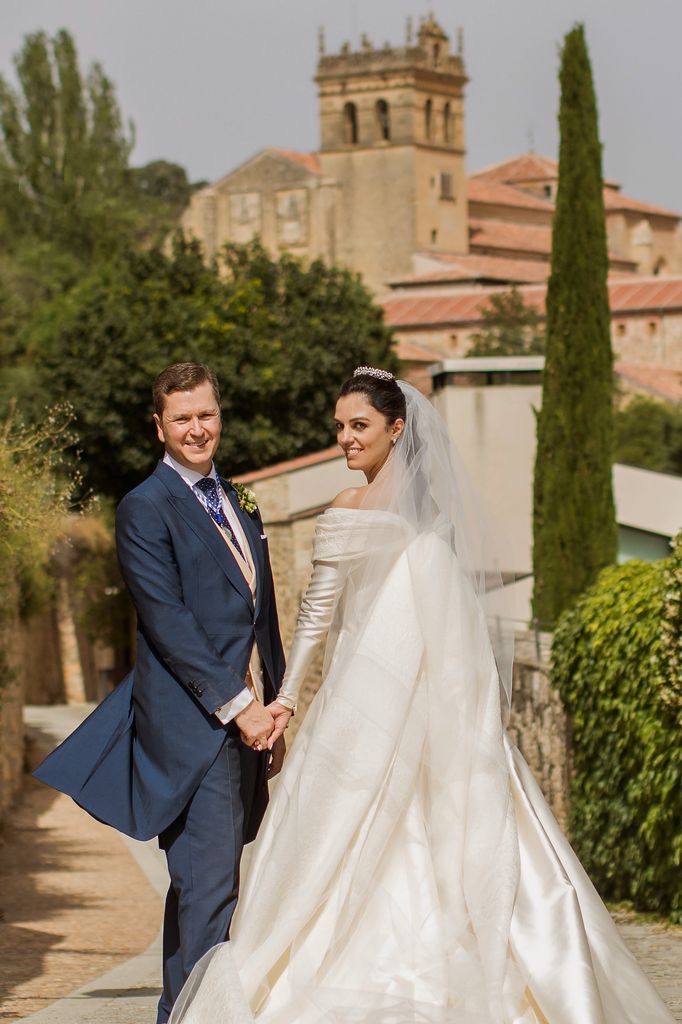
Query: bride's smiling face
{"type": "Point", "coordinates": [364, 433]}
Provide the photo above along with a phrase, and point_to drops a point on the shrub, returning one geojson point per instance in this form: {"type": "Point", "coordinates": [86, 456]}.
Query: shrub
{"type": "Point", "coordinates": [34, 494]}
{"type": "Point", "coordinates": [616, 662]}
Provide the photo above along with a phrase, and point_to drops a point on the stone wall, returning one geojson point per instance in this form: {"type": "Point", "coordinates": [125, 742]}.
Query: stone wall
{"type": "Point", "coordinates": [539, 726]}
{"type": "Point", "coordinates": [45, 659]}
{"type": "Point", "coordinates": [11, 718]}
{"type": "Point", "coordinates": [12, 697]}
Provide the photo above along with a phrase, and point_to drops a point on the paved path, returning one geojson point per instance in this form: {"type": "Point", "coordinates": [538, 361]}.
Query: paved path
{"type": "Point", "coordinates": [128, 994]}
{"type": "Point", "coordinates": [659, 951]}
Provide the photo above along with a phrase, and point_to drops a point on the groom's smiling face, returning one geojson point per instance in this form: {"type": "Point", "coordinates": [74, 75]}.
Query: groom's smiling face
{"type": "Point", "coordinates": [190, 426]}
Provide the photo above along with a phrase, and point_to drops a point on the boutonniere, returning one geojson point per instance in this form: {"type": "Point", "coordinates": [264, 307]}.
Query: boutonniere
{"type": "Point", "coordinates": [245, 497]}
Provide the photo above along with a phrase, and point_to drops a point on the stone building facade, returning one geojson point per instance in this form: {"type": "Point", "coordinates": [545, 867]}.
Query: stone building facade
{"type": "Point", "coordinates": [389, 178]}
{"type": "Point", "coordinates": [387, 193]}
{"type": "Point", "coordinates": [435, 317]}
{"type": "Point", "coordinates": [277, 196]}
{"type": "Point", "coordinates": [393, 141]}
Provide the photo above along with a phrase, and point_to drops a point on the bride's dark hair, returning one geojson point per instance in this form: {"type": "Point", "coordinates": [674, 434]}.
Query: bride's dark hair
{"type": "Point", "coordinates": [382, 393]}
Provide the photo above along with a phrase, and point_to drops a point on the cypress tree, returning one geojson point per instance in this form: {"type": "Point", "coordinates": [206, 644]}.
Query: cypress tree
{"type": "Point", "coordinates": [574, 529]}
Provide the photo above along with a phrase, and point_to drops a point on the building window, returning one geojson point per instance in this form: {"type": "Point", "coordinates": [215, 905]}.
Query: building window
{"type": "Point", "coordinates": [428, 111]}
{"type": "Point", "coordinates": [446, 187]}
{"type": "Point", "coordinates": [436, 54]}
{"type": "Point", "coordinates": [621, 329]}
{"type": "Point", "coordinates": [652, 326]}
{"type": "Point", "coordinates": [447, 123]}
{"type": "Point", "coordinates": [434, 236]}
{"type": "Point", "coordinates": [383, 120]}
{"type": "Point", "coordinates": [548, 191]}
{"type": "Point", "coordinates": [350, 124]}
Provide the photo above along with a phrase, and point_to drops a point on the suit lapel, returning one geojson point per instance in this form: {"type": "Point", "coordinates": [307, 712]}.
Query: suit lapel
{"type": "Point", "coordinates": [252, 531]}
{"type": "Point", "coordinates": [189, 507]}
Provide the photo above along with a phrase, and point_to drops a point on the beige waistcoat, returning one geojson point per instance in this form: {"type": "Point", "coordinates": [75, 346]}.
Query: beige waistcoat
{"type": "Point", "coordinates": [254, 676]}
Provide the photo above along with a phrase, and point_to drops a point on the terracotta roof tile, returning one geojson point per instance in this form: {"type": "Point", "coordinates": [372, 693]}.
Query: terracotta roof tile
{"type": "Point", "coordinates": [530, 238]}
{"type": "Point", "coordinates": [531, 168]}
{"type": "Point", "coordinates": [479, 268]}
{"type": "Point", "coordinates": [528, 167]}
{"type": "Point", "coordinates": [614, 200]}
{"type": "Point", "coordinates": [310, 161]}
{"type": "Point", "coordinates": [432, 308]}
{"type": "Point", "coordinates": [646, 293]}
{"type": "Point", "coordinates": [302, 462]}
{"type": "Point", "coordinates": [497, 194]}
{"type": "Point", "coordinates": [501, 234]}
{"type": "Point", "coordinates": [659, 381]}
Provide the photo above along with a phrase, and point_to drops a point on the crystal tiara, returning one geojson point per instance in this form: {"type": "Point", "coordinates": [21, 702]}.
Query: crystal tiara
{"type": "Point", "coordinates": [371, 371]}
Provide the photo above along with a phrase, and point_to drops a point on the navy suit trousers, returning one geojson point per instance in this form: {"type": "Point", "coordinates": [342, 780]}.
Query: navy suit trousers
{"type": "Point", "coordinates": [203, 847]}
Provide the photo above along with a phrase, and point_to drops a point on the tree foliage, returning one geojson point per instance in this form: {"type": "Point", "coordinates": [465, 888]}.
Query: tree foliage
{"type": "Point", "coordinates": [63, 150]}
{"type": "Point", "coordinates": [510, 328]}
{"type": "Point", "coordinates": [616, 660]}
{"type": "Point", "coordinates": [574, 531]}
{"type": "Point", "coordinates": [648, 434]}
{"type": "Point", "coordinates": [280, 336]}
{"type": "Point", "coordinates": [161, 179]}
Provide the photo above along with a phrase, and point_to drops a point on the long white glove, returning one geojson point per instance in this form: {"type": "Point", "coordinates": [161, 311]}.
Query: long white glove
{"type": "Point", "coordinates": [314, 620]}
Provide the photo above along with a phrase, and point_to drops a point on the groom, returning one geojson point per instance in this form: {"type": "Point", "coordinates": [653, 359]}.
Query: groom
{"type": "Point", "coordinates": [180, 749]}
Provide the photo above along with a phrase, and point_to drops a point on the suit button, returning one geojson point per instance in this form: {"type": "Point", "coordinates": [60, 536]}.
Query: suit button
{"type": "Point", "coordinates": [198, 691]}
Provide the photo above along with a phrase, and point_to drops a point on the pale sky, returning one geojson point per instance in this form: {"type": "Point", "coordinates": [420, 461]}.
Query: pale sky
{"type": "Point", "coordinates": [208, 83]}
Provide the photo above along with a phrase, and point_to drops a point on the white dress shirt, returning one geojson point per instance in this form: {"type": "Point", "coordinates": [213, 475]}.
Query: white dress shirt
{"type": "Point", "coordinates": [239, 703]}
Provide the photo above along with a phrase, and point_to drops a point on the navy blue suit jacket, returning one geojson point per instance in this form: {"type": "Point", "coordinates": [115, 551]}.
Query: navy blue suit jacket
{"type": "Point", "coordinates": [139, 757]}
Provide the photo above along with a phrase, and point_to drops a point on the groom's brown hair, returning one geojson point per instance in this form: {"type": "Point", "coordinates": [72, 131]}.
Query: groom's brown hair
{"type": "Point", "coordinates": [182, 377]}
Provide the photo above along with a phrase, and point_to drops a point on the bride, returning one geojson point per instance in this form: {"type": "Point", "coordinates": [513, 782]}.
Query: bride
{"type": "Point", "coordinates": [408, 870]}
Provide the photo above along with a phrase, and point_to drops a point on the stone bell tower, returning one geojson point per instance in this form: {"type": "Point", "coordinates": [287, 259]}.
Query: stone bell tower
{"type": "Point", "coordinates": [393, 142]}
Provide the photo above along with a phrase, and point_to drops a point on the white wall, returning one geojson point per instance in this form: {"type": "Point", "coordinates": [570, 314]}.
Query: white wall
{"type": "Point", "coordinates": [317, 485]}
{"type": "Point", "coordinates": [494, 431]}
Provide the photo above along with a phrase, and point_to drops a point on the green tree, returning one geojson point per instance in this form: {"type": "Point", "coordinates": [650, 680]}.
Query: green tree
{"type": "Point", "coordinates": [63, 150]}
{"type": "Point", "coordinates": [510, 328]}
{"type": "Point", "coordinates": [649, 435]}
{"type": "Point", "coordinates": [161, 179]}
{"type": "Point", "coordinates": [574, 530]}
{"type": "Point", "coordinates": [280, 336]}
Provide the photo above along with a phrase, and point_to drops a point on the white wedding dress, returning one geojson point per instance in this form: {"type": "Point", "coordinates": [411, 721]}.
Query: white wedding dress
{"type": "Point", "coordinates": [408, 869]}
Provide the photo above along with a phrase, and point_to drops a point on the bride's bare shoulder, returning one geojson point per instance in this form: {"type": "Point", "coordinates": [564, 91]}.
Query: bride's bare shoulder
{"type": "Point", "coordinates": [350, 498]}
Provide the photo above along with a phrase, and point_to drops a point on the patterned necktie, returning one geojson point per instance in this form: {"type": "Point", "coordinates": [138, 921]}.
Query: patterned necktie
{"type": "Point", "coordinates": [214, 505]}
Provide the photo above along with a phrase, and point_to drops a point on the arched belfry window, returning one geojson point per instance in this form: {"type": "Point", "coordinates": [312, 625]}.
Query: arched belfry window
{"type": "Point", "coordinates": [350, 124]}
{"type": "Point", "coordinates": [447, 123]}
{"type": "Point", "coordinates": [383, 120]}
{"type": "Point", "coordinates": [428, 118]}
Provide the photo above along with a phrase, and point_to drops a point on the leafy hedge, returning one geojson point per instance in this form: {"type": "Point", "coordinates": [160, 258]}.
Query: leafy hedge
{"type": "Point", "coordinates": [617, 662]}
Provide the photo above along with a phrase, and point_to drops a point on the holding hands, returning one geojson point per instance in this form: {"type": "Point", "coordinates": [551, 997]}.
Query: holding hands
{"type": "Point", "coordinates": [262, 728]}
{"type": "Point", "coordinates": [280, 718]}
{"type": "Point", "coordinates": [256, 725]}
